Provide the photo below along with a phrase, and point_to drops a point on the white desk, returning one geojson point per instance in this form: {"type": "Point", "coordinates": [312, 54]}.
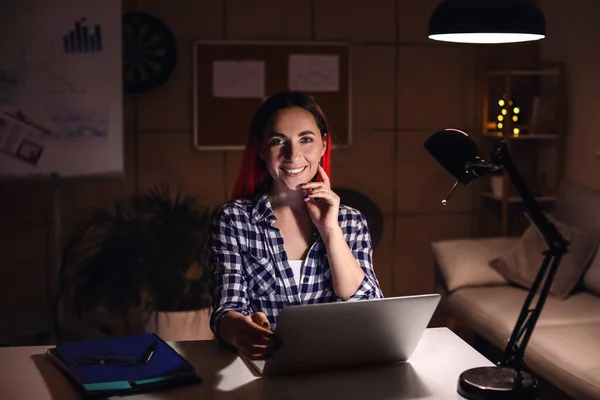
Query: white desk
{"type": "Point", "coordinates": [431, 373]}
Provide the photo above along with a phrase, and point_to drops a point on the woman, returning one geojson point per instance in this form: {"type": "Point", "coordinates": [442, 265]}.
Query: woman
{"type": "Point", "coordinates": [285, 239]}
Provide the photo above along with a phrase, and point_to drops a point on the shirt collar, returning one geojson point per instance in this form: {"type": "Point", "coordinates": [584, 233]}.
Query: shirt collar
{"type": "Point", "coordinates": [262, 209]}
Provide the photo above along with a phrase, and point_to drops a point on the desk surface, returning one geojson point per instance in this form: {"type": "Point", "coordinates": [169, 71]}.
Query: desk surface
{"type": "Point", "coordinates": [431, 373]}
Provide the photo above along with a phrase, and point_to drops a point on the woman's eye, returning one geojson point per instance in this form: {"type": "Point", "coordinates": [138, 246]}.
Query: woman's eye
{"type": "Point", "coordinates": [306, 139]}
{"type": "Point", "coordinates": [275, 142]}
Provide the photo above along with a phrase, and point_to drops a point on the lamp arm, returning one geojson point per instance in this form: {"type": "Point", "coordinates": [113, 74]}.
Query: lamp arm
{"type": "Point", "coordinates": [557, 247]}
{"type": "Point", "coordinates": [533, 211]}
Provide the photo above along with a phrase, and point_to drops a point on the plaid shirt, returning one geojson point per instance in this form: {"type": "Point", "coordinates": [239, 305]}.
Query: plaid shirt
{"type": "Point", "coordinates": [251, 272]}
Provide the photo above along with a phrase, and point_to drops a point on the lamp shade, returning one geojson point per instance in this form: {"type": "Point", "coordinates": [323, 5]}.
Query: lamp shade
{"type": "Point", "coordinates": [487, 21]}
{"type": "Point", "coordinates": [454, 149]}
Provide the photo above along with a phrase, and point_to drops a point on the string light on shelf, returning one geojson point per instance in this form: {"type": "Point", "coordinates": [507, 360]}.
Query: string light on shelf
{"type": "Point", "coordinates": [508, 112]}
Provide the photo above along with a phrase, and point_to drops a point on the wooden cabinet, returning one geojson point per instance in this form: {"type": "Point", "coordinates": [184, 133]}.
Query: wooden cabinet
{"type": "Point", "coordinates": [525, 105]}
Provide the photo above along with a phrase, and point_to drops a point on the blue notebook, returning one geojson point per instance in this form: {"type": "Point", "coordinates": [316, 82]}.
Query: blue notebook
{"type": "Point", "coordinates": [122, 365]}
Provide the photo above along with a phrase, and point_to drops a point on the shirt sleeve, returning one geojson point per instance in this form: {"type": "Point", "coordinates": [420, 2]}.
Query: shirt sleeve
{"type": "Point", "coordinates": [228, 279]}
{"type": "Point", "coordinates": [360, 245]}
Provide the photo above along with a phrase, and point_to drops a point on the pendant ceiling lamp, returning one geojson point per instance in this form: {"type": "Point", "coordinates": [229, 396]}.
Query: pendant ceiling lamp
{"type": "Point", "coordinates": [487, 21]}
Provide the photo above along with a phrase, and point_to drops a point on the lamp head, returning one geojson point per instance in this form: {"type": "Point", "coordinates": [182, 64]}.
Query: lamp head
{"type": "Point", "coordinates": [487, 21]}
{"type": "Point", "coordinates": [455, 151]}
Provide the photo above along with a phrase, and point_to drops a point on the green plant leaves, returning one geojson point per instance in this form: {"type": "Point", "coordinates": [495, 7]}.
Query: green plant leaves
{"type": "Point", "coordinates": [151, 252]}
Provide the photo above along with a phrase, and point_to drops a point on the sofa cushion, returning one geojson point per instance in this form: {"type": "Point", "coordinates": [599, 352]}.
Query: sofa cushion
{"type": "Point", "coordinates": [464, 262]}
{"type": "Point", "coordinates": [492, 311]}
{"type": "Point", "coordinates": [521, 263]}
{"type": "Point", "coordinates": [567, 356]}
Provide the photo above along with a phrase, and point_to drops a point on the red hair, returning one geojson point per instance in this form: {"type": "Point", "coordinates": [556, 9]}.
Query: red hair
{"type": "Point", "coordinates": [253, 175]}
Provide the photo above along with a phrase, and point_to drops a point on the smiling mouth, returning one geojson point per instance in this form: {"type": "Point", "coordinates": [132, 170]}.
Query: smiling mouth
{"type": "Point", "coordinates": [293, 171]}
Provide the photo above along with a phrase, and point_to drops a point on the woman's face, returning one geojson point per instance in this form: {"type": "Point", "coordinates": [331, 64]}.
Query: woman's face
{"type": "Point", "coordinates": [291, 147]}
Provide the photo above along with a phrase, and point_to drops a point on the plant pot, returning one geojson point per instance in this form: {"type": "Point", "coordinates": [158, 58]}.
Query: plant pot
{"type": "Point", "coordinates": [181, 325]}
{"type": "Point", "coordinates": [103, 321]}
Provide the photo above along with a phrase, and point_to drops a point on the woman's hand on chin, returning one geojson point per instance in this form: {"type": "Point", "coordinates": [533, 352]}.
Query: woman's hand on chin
{"type": "Point", "coordinates": [322, 203]}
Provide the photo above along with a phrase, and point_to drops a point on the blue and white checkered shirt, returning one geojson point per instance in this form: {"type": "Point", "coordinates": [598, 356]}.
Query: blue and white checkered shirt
{"type": "Point", "coordinates": [251, 269]}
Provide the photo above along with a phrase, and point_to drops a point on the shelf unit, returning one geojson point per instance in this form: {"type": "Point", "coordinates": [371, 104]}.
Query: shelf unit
{"type": "Point", "coordinates": [531, 136]}
{"type": "Point", "coordinates": [524, 105]}
{"type": "Point", "coordinates": [517, 199]}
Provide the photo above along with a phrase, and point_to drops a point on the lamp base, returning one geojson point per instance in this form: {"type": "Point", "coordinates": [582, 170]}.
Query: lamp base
{"type": "Point", "coordinates": [496, 383]}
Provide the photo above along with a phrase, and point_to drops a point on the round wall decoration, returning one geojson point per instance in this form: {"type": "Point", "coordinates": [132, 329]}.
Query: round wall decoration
{"type": "Point", "coordinates": [149, 52]}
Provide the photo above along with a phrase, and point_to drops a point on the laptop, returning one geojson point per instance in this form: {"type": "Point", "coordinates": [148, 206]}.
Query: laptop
{"type": "Point", "coordinates": [348, 334]}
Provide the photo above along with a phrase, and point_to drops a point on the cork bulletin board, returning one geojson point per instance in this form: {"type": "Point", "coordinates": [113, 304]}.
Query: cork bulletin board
{"type": "Point", "coordinates": [231, 79]}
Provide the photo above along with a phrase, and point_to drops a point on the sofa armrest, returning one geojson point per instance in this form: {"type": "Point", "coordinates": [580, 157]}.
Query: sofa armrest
{"type": "Point", "coordinates": [439, 282]}
{"type": "Point", "coordinates": [464, 262]}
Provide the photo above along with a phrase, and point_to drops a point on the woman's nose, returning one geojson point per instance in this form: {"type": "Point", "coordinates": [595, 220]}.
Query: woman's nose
{"type": "Point", "coordinates": [291, 152]}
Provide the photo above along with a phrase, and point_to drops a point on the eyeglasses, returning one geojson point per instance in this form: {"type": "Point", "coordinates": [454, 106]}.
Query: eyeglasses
{"type": "Point", "coordinates": [111, 358]}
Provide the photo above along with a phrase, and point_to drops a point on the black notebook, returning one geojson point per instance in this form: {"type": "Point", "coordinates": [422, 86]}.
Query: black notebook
{"type": "Point", "coordinates": [122, 365]}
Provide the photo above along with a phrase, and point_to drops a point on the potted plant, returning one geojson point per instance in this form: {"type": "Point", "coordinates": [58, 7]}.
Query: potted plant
{"type": "Point", "coordinates": [149, 256]}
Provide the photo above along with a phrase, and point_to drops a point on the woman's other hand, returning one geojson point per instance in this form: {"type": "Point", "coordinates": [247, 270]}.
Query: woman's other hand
{"type": "Point", "coordinates": [322, 203]}
{"type": "Point", "coordinates": [250, 334]}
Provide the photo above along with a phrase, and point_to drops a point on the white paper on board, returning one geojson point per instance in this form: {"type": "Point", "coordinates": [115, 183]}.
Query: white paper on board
{"type": "Point", "coordinates": [23, 140]}
{"type": "Point", "coordinates": [314, 72]}
{"type": "Point", "coordinates": [238, 79]}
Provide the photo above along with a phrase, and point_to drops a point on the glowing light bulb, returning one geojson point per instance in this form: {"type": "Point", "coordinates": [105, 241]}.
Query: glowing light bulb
{"type": "Point", "coordinates": [515, 118]}
{"type": "Point", "coordinates": [504, 111]}
{"type": "Point", "coordinates": [500, 125]}
{"type": "Point", "coordinates": [516, 131]}
{"type": "Point", "coordinates": [501, 103]}
{"type": "Point", "coordinates": [516, 110]}
{"type": "Point", "coordinates": [500, 118]}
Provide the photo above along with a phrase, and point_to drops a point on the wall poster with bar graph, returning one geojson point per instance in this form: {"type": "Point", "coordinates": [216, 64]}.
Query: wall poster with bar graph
{"type": "Point", "coordinates": [78, 40]}
{"type": "Point", "coordinates": [61, 88]}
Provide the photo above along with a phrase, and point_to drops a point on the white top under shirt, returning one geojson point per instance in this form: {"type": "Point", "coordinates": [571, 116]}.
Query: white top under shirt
{"type": "Point", "coordinates": [297, 267]}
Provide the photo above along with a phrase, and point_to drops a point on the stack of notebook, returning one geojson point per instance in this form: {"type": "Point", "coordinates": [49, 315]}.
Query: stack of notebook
{"type": "Point", "coordinates": [122, 365]}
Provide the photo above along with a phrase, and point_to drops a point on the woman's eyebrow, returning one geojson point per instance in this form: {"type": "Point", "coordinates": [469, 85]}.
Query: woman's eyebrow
{"type": "Point", "coordinates": [278, 134]}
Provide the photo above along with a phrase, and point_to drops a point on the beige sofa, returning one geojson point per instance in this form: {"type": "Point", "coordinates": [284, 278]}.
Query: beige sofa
{"type": "Point", "coordinates": [565, 346]}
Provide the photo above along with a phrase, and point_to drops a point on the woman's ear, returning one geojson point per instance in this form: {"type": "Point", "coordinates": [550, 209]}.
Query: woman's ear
{"type": "Point", "coordinates": [324, 144]}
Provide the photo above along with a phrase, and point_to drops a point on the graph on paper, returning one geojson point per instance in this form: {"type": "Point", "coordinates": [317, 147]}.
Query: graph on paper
{"type": "Point", "coordinates": [83, 39]}
{"type": "Point", "coordinates": [73, 122]}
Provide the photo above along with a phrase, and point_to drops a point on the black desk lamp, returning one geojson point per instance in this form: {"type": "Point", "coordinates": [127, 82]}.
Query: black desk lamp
{"type": "Point", "coordinates": [456, 152]}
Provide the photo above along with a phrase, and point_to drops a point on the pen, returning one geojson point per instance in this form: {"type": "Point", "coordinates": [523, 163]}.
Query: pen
{"type": "Point", "coordinates": [148, 353]}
